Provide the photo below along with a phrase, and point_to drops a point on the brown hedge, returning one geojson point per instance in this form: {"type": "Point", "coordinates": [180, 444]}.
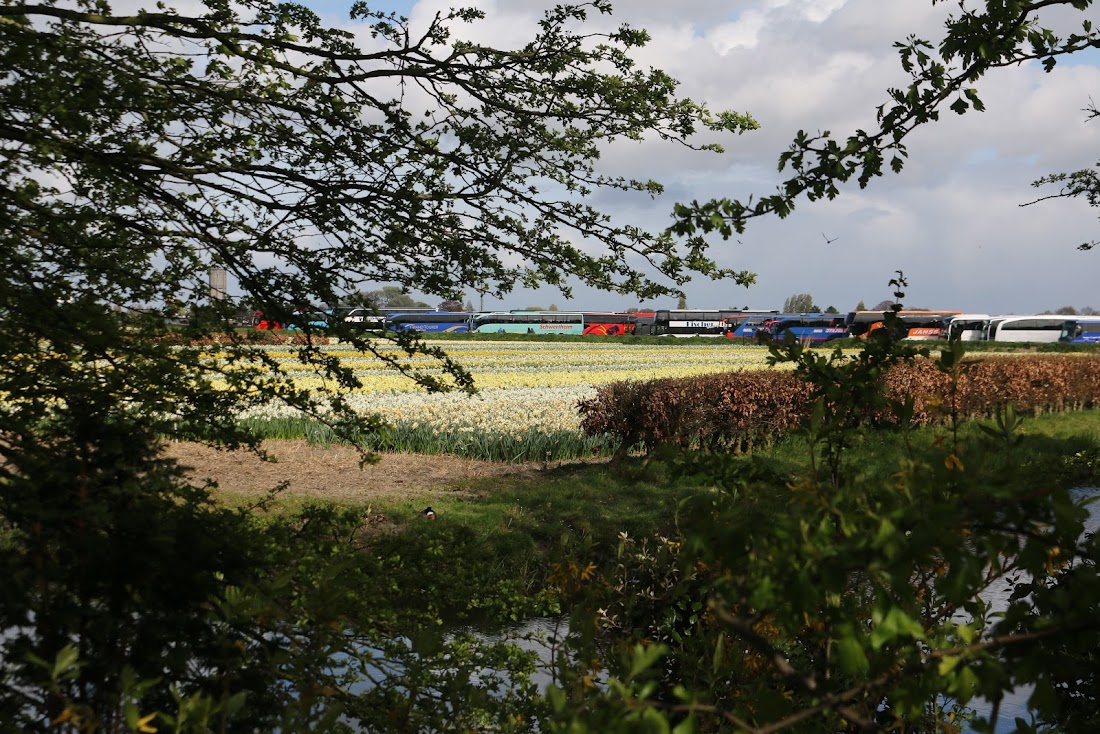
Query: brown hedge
{"type": "Point", "coordinates": [731, 411]}
{"type": "Point", "coordinates": [737, 410]}
{"type": "Point", "coordinates": [259, 337]}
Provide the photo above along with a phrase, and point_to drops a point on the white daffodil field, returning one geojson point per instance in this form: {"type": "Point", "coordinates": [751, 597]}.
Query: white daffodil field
{"type": "Point", "coordinates": [525, 407]}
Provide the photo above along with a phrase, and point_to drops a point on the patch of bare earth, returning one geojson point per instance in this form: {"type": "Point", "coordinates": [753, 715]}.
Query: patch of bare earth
{"type": "Point", "coordinates": [334, 472]}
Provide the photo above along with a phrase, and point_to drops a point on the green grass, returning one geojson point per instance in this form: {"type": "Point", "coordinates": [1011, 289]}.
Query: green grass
{"type": "Point", "coordinates": [640, 494]}
{"type": "Point", "coordinates": [420, 438]}
{"type": "Point", "coordinates": [499, 539]}
{"type": "Point", "coordinates": [598, 500]}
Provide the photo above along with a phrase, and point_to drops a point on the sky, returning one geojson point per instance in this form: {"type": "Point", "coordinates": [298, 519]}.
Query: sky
{"type": "Point", "coordinates": [954, 221]}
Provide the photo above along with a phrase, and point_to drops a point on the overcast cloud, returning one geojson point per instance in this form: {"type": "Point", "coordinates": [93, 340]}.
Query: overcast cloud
{"type": "Point", "coordinates": [952, 220]}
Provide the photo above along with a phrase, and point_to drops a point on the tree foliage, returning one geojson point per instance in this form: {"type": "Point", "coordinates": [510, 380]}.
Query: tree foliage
{"type": "Point", "coordinates": [799, 303]}
{"type": "Point", "coordinates": [979, 39]}
{"type": "Point", "coordinates": [843, 596]}
{"type": "Point", "coordinates": [141, 147]}
{"type": "Point", "coordinates": [391, 296]}
{"type": "Point", "coordinates": [1084, 183]}
{"type": "Point", "coordinates": [451, 305]}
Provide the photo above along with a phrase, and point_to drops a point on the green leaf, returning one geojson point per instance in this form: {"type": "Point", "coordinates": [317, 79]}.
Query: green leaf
{"type": "Point", "coordinates": [948, 664]}
{"type": "Point", "coordinates": [235, 702]}
{"type": "Point", "coordinates": [1043, 698]}
{"type": "Point", "coordinates": [66, 662]}
{"type": "Point", "coordinates": [887, 533]}
{"type": "Point", "coordinates": [965, 684]}
{"type": "Point", "coordinates": [687, 726]}
{"type": "Point", "coordinates": [557, 698]}
{"type": "Point", "coordinates": [643, 658]}
{"type": "Point", "coordinates": [895, 624]}
{"type": "Point", "coordinates": [850, 656]}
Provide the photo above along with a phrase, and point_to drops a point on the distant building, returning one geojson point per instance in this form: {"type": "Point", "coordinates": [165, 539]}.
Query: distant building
{"type": "Point", "coordinates": [218, 289]}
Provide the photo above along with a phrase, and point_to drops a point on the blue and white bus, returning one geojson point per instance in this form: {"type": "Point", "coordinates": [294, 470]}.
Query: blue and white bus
{"type": "Point", "coordinates": [810, 328]}
{"type": "Point", "coordinates": [1081, 330]}
{"type": "Point", "coordinates": [370, 318]}
{"type": "Point", "coordinates": [435, 322]}
{"type": "Point", "coordinates": [747, 328]}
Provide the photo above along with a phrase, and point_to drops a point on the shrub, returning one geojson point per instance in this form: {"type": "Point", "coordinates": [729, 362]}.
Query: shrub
{"type": "Point", "coordinates": [738, 410]}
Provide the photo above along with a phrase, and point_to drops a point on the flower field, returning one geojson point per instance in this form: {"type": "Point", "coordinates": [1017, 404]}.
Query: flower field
{"type": "Point", "coordinates": [526, 405]}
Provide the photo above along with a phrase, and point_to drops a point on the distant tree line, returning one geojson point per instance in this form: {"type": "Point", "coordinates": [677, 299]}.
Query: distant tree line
{"type": "Point", "coordinates": [1071, 311]}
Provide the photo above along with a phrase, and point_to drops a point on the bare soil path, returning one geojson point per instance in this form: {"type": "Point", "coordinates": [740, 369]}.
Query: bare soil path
{"type": "Point", "coordinates": [334, 473]}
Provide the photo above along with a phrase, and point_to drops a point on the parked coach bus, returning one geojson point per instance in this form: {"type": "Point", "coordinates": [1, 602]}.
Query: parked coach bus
{"type": "Point", "coordinates": [1035, 328]}
{"type": "Point", "coordinates": [608, 324]}
{"type": "Point", "coordinates": [374, 319]}
{"type": "Point", "coordinates": [912, 324]}
{"type": "Point", "coordinates": [925, 327]}
{"type": "Point", "coordinates": [967, 327]}
{"type": "Point", "coordinates": [694, 322]}
{"type": "Point", "coordinates": [811, 328]}
{"type": "Point", "coordinates": [261, 321]}
{"type": "Point", "coordinates": [438, 322]}
{"type": "Point", "coordinates": [748, 327]}
{"type": "Point", "coordinates": [1080, 331]}
{"type": "Point", "coordinates": [315, 319]}
{"type": "Point", "coordinates": [528, 322]}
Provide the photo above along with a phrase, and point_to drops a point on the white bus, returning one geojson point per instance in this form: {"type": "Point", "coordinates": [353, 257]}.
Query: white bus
{"type": "Point", "coordinates": [1034, 328]}
{"type": "Point", "coordinates": [967, 327]}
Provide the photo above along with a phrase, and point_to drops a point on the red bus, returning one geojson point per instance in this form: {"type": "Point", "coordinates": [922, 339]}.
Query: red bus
{"type": "Point", "coordinates": [608, 324]}
{"type": "Point", "coordinates": [259, 321]}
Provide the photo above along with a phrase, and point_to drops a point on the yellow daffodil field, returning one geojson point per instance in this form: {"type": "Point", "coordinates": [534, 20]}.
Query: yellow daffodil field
{"type": "Point", "coordinates": [525, 407]}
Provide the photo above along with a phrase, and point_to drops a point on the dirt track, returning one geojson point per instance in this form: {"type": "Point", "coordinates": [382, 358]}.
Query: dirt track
{"type": "Point", "coordinates": [334, 472]}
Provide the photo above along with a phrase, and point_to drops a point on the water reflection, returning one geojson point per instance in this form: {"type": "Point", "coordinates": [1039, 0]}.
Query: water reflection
{"type": "Point", "coordinates": [541, 636]}
{"type": "Point", "coordinates": [544, 636]}
{"type": "Point", "coordinates": [1014, 704]}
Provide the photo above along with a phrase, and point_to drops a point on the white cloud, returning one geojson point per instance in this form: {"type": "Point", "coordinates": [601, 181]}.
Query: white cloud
{"type": "Point", "coordinates": [818, 11]}
{"type": "Point", "coordinates": [741, 33]}
{"type": "Point", "coordinates": [952, 220]}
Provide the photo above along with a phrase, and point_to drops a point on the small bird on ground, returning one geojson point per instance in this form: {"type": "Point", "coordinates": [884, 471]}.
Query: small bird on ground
{"type": "Point", "coordinates": [428, 513]}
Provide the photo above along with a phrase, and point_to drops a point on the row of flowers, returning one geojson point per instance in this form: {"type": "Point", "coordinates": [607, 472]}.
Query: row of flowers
{"type": "Point", "coordinates": [523, 387]}
{"type": "Point", "coordinates": [505, 410]}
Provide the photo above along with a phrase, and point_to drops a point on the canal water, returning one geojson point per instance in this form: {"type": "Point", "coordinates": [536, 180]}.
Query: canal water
{"type": "Point", "coordinates": [1014, 704]}
{"type": "Point", "coordinates": [540, 636]}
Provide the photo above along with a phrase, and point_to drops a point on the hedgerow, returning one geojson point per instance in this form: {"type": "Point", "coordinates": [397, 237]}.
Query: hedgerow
{"type": "Point", "coordinates": [736, 411]}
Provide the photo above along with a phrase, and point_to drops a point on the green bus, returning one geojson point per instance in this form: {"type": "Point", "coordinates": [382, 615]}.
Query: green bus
{"type": "Point", "coordinates": [528, 322]}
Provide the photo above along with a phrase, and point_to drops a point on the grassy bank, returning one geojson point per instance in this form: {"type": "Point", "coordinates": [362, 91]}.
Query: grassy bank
{"type": "Point", "coordinates": [530, 445]}
{"type": "Point", "coordinates": [496, 545]}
